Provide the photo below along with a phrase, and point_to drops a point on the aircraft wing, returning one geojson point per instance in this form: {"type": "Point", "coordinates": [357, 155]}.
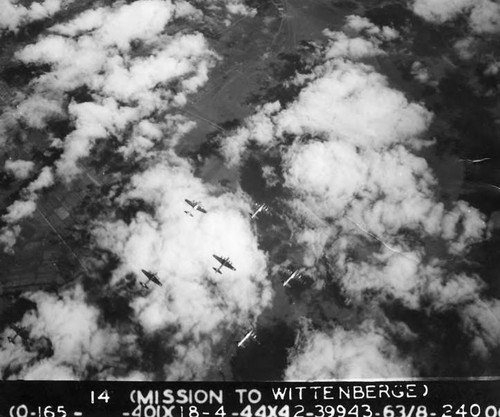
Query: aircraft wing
{"type": "Point", "coordinates": [250, 335]}
{"type": "Point", "coordinates": [191, 203]}
{"type": "Point", "coordinates": [156, 281]}
{"type": "Point", "coordinates": [200, 208]}
{"type": "Point", "coordinates": [227, 264]}
{"type": "Point", "coordinates": [294, 275]}
{"type": "Point", "coordinates": [147, 273]}
{"type": "Point", "coordinates": [152, 277]}
{"type": "Point", "coordinates": [224, 262]}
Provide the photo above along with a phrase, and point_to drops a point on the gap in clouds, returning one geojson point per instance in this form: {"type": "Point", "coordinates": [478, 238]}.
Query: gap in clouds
{"type": "Point", "coordinates": [435, 344]}
{"type": "Point", "coordinates": [461, 91]}
{"type": "Point", "coordinates": [275, 232]}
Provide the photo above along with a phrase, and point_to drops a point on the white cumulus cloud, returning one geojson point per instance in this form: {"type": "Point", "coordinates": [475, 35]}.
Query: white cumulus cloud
{"type": "Point", "coordinates": [347, 354]}
{"type": "Point", "coordinates": [483, 15]}
{"type": "Point", "coordinates": [196, 304]}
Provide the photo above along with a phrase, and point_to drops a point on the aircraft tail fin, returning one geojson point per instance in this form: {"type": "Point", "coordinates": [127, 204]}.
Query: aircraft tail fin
{"type": "Point", "coordinates": [217, 270]}
{"type": "Point", "coordinates": [144, 284]}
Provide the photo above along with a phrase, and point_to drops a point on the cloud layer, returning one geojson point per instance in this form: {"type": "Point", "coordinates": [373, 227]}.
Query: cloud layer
{"type": "Point", "coordinates": [483, 16]}
{"type": "Point", "coordinates": [116, 75]}
{"type": "Point", "coordinates": [179, 248]}
{"type": "Point", "coordinates": [342, 354]}
{"type": "Point", "coordinates": [365, 199]}
{"type": "Point", "coordinates": [367, 225]}
{"type": "Point", "coordinates": [15, 15]}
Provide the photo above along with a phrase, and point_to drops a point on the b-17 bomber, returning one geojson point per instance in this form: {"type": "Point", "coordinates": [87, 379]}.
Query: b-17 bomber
{"type": "Point", "coordinates": [152, 276]}
{"type": "Point", "coordinates": [249, 336]}
{"type": "Point", "coordinates": [294, 275]}
{"type": "Point", "coordinates": [195, 205]}
{"type": "Point", "coordinates": [223, 262]}
{"type": "Point", "coordinates": [261, 208]}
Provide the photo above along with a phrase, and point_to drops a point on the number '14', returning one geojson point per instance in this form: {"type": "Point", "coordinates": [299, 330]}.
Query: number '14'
{"type": "Point", "coordinates": [103, 396]}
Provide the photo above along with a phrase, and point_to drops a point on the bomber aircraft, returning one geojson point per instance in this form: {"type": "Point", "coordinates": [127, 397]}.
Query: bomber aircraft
{"type": "Point", "coordinates": [250, 335]}
{"type": "Point", "coordinates": [195, 205]}
{"type": "Point", "coordinates": [152, 276]}
{"type": "Point", "coordinates": [261, 208]}
{"type": "Point", "coordinates": [223, 262]}
{"type": "Point", "coordinates": [294, 275]}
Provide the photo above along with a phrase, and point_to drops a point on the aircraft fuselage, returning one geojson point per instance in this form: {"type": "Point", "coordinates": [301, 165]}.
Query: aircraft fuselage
{"type": "Point", "coordinates": [151, 277]}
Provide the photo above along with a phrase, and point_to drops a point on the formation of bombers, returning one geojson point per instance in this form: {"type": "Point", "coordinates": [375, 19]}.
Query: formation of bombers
{"type": "Point", "coordinates": [223, 262]}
